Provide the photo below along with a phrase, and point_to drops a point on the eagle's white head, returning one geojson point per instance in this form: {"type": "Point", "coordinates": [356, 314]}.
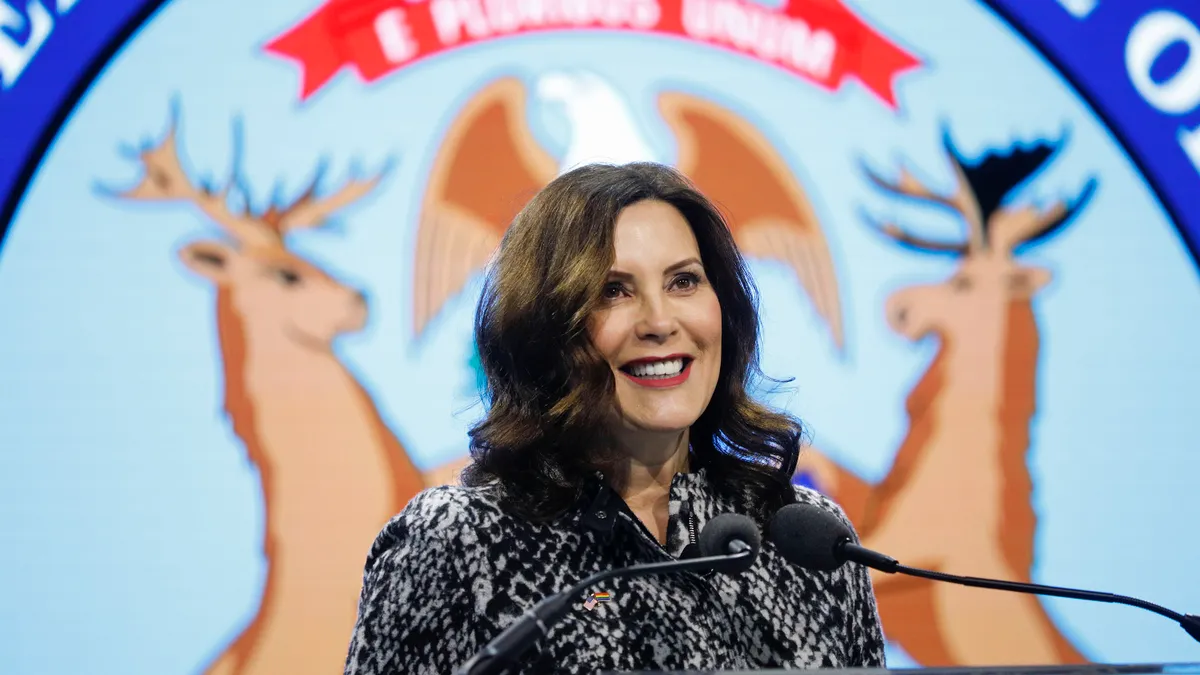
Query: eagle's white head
{"type": "Point", "coordinates": [603, 126]}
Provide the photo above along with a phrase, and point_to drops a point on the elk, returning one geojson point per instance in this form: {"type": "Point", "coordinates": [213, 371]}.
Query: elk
{"type": "Point", "coordinates": [332, 472]}
{"type": "Point", "coordinates": [957, 497]}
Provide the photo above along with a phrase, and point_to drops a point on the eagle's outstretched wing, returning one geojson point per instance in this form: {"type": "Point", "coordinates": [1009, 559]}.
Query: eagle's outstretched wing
{"type": "Point", "coordinates": [489, 165]}
{"type": "Point", "coordinates": [735, 166]}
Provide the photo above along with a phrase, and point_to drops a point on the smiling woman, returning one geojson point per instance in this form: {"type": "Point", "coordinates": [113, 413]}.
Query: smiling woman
{"type": "Point", "coordinates": [653, 303]}
{"type": "Point", "coordinates": [607, 267]}
{"type": "Point", "coordinates": [618, 334]}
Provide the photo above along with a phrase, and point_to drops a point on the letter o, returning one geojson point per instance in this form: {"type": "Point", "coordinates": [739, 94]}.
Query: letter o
{"type": "Point", "coordinates": [1147, 40]}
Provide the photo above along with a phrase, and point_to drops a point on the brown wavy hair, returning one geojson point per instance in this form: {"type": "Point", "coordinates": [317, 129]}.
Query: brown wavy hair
{"type": "Point", "coordinates": [549, 392]}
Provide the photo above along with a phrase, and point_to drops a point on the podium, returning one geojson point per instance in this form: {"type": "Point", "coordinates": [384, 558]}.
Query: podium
{"type": "Point", "coordinates": [1089, 669]}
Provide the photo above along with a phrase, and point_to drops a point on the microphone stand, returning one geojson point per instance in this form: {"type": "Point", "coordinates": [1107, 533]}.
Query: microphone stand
{"type": "Point", "coordinates": [503, 651]}
{"type": "Point", "coordinates": [847, 550]}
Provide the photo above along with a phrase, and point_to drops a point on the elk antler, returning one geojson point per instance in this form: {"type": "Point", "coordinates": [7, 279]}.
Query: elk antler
{"type": "Point", "coordinates": [962, 202]}
{"type": "Point", "coordinates": [309, 211]}
{"type": "Point", "coordinates": [166, 180]}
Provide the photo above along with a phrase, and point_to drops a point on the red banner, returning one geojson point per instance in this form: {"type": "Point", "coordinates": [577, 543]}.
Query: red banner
{"type": "Point", "coordinates": [819, 40]}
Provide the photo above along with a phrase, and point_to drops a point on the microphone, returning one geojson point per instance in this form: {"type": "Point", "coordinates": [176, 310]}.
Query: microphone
{"type": "Point", "coordinates": [729, 544]}
{"type": "Point", "coordinates": [814, 538]}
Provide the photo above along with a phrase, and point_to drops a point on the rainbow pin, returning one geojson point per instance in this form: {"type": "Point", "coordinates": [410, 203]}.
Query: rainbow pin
{"type": "Point", "coordinates": [596, 598]}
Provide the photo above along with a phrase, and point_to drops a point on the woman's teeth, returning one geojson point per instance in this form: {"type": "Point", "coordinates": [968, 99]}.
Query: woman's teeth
{"type": "Point", "coordinates": [668, 368]}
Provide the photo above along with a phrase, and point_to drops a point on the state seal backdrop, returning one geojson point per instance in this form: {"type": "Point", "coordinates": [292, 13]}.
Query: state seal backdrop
{"type": "Point", "coordinates": [242, 245]}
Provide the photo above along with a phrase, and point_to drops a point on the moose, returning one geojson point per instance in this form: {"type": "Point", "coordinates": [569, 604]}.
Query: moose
{"type": "Point", "coordinates": [332, 472]}
{"type": "Point", "coordinates": [957, 498]}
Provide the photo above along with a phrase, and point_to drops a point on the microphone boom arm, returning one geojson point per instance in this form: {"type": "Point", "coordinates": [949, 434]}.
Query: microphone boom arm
{"type": "Point", "coordinates": [847, 550]}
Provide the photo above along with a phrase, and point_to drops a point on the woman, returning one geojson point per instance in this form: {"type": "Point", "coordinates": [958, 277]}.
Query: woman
{"type": "Point", "coordinates": [618, 333]}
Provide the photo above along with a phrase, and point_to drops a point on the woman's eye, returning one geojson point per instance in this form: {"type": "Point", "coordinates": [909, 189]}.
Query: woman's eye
{"type": "Point", "coordinates": [613, 290]}
{"type": "Point", "coordinates": [687, 281]}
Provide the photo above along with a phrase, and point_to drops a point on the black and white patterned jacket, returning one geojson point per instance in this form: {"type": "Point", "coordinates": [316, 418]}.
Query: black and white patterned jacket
{"type": "Point", "coordinates": [453, 569]}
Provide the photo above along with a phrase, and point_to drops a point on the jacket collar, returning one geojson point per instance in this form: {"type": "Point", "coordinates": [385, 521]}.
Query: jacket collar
{"type": "Point", "coordinates": [602, 503]}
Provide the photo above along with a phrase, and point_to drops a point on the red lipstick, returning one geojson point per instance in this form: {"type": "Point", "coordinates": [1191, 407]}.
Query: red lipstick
{"type": "Point", "coordinates": [660, 382]}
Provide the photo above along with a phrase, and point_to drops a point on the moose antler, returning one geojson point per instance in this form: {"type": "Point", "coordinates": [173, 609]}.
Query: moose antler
{"type": "Point", "coordinates": [166, 180]}
{"type": "Point", "coordinates": [912, 241]}
{"type": "Point", "coordinates": [962, 202]}
{"type": "Point", "coordinates": [982, 188]}
{"type": "Point", "coordinates": [1013, 228]}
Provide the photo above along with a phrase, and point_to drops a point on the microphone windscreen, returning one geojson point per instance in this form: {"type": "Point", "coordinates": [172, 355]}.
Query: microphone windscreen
{"type": "Point", "coordinates": [806, 535]}
{"type": "Point", "coordinates": [719, 532]}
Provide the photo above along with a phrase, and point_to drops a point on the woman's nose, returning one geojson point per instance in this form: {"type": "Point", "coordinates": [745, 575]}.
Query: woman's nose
{"type": "Point", "coordinates": [657, 320]}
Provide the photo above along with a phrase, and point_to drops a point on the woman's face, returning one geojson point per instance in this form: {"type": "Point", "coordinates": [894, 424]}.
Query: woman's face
{"type": "Point", "coordinates": [659, 325]}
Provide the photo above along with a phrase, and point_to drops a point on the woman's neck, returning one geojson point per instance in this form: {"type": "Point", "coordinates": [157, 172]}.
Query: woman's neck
{"type": "Point", "coordinates": [643, 478]}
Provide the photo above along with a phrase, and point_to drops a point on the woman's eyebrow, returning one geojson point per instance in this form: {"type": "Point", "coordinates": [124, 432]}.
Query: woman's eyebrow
{"type": "Point", "coordinates": [682, 264]}
{"type": "Point", "coordinates": [618, 274]}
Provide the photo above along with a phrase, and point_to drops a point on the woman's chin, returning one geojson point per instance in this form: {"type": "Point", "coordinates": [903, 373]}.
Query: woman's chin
{"type": "Point", "coordinates": [661, 424]}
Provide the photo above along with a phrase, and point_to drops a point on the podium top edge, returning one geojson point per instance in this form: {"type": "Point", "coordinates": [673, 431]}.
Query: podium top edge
{"type": "Point", "coordinates": [1087, 669]}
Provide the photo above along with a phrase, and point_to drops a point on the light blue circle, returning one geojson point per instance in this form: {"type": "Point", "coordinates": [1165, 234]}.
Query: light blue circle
{"type": "Point", "coordinates": [132, 519]}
